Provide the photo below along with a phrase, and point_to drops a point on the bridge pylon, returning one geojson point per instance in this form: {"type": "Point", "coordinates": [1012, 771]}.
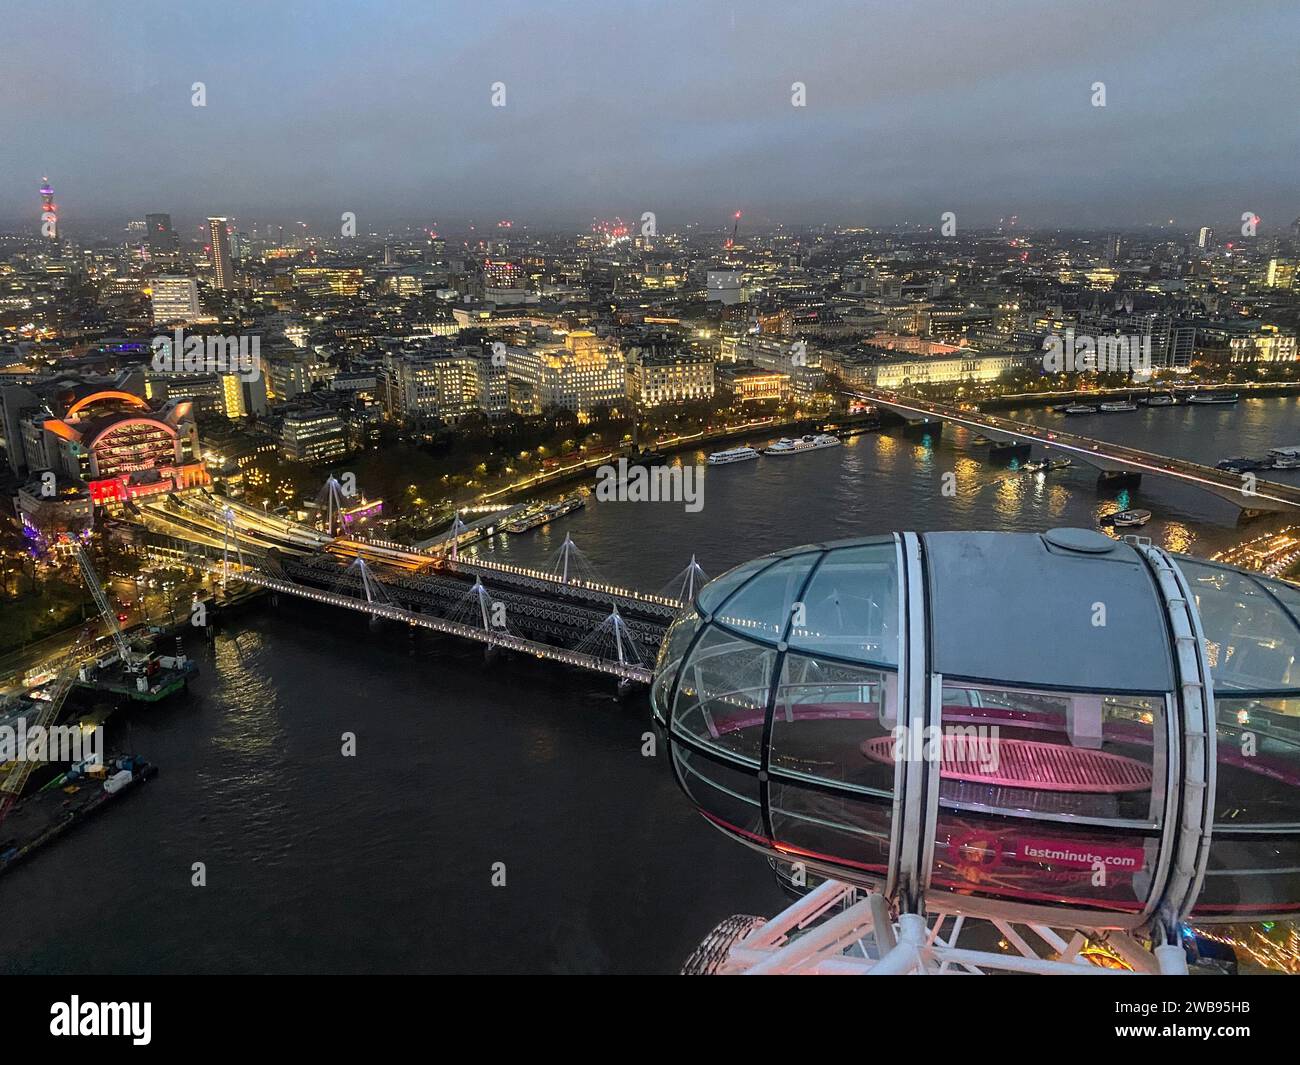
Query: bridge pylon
{"type": "Point", "coordinates": [331, 496]}
{"type": "Point", "coordinates": [480, 593]}
{"type": "Point", "coordinates": [687, 583]}
{"type": "Point", "coordinates": [457, 528]}
{"type": "Point", "coordinates": [567, 551]}
{"type": "Point", "coordinates": [229, 536]}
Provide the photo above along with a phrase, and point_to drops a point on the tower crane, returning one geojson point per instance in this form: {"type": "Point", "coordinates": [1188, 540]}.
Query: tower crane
{"type": "Point", "coordinates": [105, 609]}
{"type": "Point", "coordinates": [731, 241]}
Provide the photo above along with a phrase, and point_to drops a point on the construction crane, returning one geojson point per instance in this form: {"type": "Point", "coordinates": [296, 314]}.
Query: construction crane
{"type": "Point", "coordinates": [731, 241]}
{"type": "Point", "coordinates": [105, 608]}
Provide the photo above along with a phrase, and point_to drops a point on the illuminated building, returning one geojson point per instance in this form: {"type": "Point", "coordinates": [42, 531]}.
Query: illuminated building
{"type": "Point", "coordinates": [68, 511]}
{"type": "Point", "coordinates": [582, 374]}
{"type": "Point", "coordinates": [241, 398]}
{"type": "Point", "coordinates": [656, 378]}
{"type": "Point", "coordinates": [500, 273]}
{"type": "Point", "coordinates": [884, 369]}
{"type": "Point", "coordinates": [328, 280]}
{"type": "Point", "coordinates": [748, 383]}
{"type": "Point", "coordinates": [49, 211]}
{"type": "Point", "coordinates": [120, 447]}
{"type": "Point", "coordinates": [223, 276]}
{"type": "Point", "coordinates": [1262, 343]}
{"type": "Point", "coordinates": [723, 286]}
{"type": "Point", "coordinates": [293, 372]}
{"type": "Point", "coordinates": [1281, 273]}
{"type": "Point", "coordinates": [313, 436]}
{"type": "Point", "coordinates": [1205, 238]}
{"type": "Point", "coordinates": [174, 299]}
{"type": "Point", "coordinates": [443, 385]}
{"type": "Point", "coordinates": [202, 389]}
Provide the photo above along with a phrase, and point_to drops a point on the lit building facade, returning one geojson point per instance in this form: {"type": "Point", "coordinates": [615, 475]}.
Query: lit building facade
{"type": "Point", "coordinates": [582, 374]}
{"type": "Point", "coordinates": [223, 276]}
{"type": "Point", "coordinates": [443, 386]}
{"type": "Point", "coordinates": [678, 377]}
{"type": "Point", "coordinates": [313, 436]}
{"type": "Point", "coordinates": [174, 299]}
{"type": "Point", "coordinates": [121, 448]}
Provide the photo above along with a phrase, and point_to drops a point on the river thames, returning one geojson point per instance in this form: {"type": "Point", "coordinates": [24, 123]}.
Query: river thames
{"type": "Point", "coordinates": [317, 862]}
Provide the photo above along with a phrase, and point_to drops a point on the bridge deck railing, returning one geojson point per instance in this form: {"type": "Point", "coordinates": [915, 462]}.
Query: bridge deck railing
{"type": "Point", "coordinates": [623, 671]}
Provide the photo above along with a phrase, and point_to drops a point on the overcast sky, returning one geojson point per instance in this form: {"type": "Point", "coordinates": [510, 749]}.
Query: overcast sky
{"type": "Point", "coordinates": [682, 108]}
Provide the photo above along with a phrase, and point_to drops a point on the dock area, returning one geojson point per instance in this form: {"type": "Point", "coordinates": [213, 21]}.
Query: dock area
{"type": "Point", "coordinates": [64, 803]}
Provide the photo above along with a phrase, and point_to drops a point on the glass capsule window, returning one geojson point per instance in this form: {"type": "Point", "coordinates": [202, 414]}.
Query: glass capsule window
{"type": "Point", "coordinates": [1252, 642]}
{"type": "Point", "coordinates": [1059, 752]}
{"type": "Point", "coordinates": [774, 684]}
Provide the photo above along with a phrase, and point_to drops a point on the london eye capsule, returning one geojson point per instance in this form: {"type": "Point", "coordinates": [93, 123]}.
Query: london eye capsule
{"type": "Point", "coordinates": [1058, 728]}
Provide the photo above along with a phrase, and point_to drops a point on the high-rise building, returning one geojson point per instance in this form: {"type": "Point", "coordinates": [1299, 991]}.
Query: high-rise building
{"type": "Point", "coordinates": [1282, 273]}
{"type": "Point", "coordinates": [223, 276]}
{"type": "Point", "coordinates": [49, 211]}
{"type": "Point", "coordinates": [174, 299]}
{"type": "Point", "coordinates": [313, 436]}
{"type": "Point", "coordinates": [1205, 238]}
{"type": "Point", "coordinates": [243, 399]}
{"type": "Point", "coordinates": [159, 236]}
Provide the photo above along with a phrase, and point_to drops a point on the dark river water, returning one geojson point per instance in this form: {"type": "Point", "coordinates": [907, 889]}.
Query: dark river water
{"type": "Point", "coordinates": [383, 862]}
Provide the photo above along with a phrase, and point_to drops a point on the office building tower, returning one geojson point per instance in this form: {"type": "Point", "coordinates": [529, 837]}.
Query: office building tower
{"type": "Point", "coordinates": [174, 299]}
{"type": "Point", "coordinates": [219, 254]}
{"type": "Point", "coordinates": [159, 236]}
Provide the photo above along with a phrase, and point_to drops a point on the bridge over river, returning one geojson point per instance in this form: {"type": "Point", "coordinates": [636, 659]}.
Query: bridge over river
{"type": "Point", "coordinates": [1115, 463]}
{"type": "Point", "coordinates": [588, 624]}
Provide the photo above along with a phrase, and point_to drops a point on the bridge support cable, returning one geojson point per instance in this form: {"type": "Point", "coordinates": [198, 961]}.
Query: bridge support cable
{"type": "Point", "coordinates": [229, 535]}
{"type": "Point", "coordinates": [330, 497]}
{"type": "Point", "coordinates": [101, 602]}
{"type": "Point", "coordinates": [571, 565]}
{"type": "Point", "coordinates": [371, 586]}
{"type": "Point", "coordinates": [613, 640]}
{"type": "Point", "coordinates": [627, 665]}
{"type": "Point", "coordinates": [684, 586]}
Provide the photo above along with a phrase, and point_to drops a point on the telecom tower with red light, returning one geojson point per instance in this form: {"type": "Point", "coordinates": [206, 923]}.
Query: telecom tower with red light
{"type": "Point", "coordinates": [49, 211]}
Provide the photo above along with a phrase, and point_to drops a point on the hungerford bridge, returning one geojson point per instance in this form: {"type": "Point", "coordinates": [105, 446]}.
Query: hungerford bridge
{"type": "Point", "coordinates": [562, 614]}
{"type": "Point", "coordinates": [1117, 465]}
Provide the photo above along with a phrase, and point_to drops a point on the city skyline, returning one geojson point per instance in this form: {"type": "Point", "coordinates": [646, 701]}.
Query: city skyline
{"type": "Point", "coordinates": [552, 118]}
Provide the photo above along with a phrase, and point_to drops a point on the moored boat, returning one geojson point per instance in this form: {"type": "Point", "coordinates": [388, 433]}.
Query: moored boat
{"type": "Point", "coordinates": [531, 519]}
{"type": "Point", "coordinates": [1127, 519]}
{"type": "Point", "coordinates": [809, 442]}
{"type": "Point", "coordinates": [734, 454]}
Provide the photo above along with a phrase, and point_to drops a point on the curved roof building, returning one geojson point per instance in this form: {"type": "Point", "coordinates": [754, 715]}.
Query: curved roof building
{"type": "Point", "coordinates": [1060, 727]}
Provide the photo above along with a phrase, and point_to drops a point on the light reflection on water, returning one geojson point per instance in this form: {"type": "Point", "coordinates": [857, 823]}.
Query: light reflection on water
{"type": "Point", "coordinates": [882, 482]}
